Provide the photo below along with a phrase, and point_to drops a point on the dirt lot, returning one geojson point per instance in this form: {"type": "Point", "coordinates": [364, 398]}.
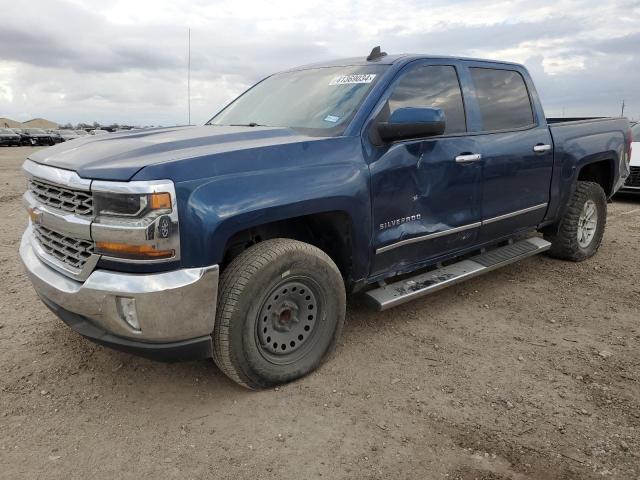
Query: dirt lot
{"type": "Point", "coordinates": [530, 372]}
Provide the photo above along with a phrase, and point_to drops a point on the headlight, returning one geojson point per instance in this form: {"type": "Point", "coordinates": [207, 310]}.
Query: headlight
{"type": "Point", "coordinates": [131, 205]}
{"type": "Point", "coordinates": [136, 221]}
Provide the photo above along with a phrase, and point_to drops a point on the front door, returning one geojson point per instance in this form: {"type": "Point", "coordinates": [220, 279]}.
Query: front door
{"type": "Point", "coordinates": [426, 193]}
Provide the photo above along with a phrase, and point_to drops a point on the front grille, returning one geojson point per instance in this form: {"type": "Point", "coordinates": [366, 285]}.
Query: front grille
{"type": "Point", "coordinates": [62, 198]}
{"type": "Point", "coordinates": [71, 251]}
{"type": "Point", "coordinates": [633, 180]}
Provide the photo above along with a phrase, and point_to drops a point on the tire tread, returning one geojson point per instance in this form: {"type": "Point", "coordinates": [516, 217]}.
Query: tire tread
{"type": "Point", "coordinates": [233, 282]}
{"type": "Point", "coordinates": [564, 243]}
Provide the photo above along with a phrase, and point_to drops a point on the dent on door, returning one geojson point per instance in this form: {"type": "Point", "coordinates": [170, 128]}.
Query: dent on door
{"type": "Point", "coordinates": [425, 203]}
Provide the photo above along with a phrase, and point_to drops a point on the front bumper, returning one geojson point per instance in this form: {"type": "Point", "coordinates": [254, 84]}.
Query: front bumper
{"type": "Point", "coordinates": [632, 183]}
{"type": "Point", "coordinates": [174, 309]}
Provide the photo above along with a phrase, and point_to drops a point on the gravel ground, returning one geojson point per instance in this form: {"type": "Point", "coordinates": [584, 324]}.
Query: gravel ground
{"type": "Point", "coordinates": [529, 372]}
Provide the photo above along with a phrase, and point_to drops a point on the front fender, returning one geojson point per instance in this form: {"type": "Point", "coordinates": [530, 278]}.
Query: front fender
{"type": "Point", "coordinates": [213, 210]}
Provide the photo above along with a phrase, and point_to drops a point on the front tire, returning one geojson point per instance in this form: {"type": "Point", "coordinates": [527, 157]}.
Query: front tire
{"type": "Point", "coordinates": [582, 227]}
{"type": "Point", "coordinates": [281, 309]}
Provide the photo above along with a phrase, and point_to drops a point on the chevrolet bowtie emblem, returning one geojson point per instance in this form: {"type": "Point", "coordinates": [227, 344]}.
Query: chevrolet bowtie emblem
{"type": "Point", "coordinates": [35, 214]}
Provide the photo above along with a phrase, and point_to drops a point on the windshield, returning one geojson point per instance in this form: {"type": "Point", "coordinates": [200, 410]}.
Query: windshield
{"type": "Point", "coordinates": [6, 130]}
{"type": "Point", "coordinates": [318, 101]}
{"type": "Point", "coordinates": [635, 131]}
{"type": "Point", "coordinates": [35, 130]}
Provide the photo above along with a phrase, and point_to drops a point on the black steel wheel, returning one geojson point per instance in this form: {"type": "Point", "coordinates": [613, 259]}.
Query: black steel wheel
{"type": "Point", "coordinates": [281, 308]}
{"type": "Point", "coordinates": [287, 320]}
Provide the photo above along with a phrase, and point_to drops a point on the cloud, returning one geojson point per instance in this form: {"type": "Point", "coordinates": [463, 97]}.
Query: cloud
{"type": "Point", "coordinates": [125, 61]}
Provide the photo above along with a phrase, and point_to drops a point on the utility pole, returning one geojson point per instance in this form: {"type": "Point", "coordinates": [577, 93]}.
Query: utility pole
{"type": "Point", "coordinates": [622, 112]}
{"type": "Point", "coordinates": [189, 77]}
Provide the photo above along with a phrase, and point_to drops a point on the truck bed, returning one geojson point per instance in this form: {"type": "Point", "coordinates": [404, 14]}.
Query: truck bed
{"type": "Point", "coordinates": [578, 141]}
{"type": "Point", "coordinates": [575, 120]}
{"type": "Point", "coordinates": [566, 129]}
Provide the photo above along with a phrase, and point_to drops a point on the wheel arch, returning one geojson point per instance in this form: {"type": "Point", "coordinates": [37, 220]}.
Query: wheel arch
{"type": "Point", "coordinates": [600, 170]}
{"type": "Point", "coordinates": [331, 231]}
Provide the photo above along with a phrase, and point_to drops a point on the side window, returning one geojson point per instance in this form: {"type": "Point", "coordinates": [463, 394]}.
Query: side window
{"type": "Point", "coordinates": [433, 86]}
{"type": "Point", "coordinates": [503, 99]}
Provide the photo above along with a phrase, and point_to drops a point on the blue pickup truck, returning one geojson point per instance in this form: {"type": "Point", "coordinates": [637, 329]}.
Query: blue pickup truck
{"type": "Point", "coordinates": [238, 240]}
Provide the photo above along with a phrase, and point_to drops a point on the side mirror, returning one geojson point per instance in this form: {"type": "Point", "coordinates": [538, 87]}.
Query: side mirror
{"type": "Point", "coordinates": [412, 122]}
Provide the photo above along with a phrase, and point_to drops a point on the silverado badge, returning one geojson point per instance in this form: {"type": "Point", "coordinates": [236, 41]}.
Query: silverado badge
{"type": "Point", "coordinates": [399, 221]}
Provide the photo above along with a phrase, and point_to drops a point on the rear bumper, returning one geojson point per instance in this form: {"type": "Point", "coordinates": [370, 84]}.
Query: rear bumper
{"type": "Point", "coordinates": [175, 310]}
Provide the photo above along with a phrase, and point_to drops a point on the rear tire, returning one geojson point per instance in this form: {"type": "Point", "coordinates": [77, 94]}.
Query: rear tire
{"type": "Point", "coordinates": [582, 227]}
{"type": "Point", "coordinates": [281, 309]}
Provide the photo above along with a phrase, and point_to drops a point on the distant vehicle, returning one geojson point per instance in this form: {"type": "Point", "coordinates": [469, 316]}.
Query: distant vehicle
{"type": "Point", "coordinates": [81, 133]}
{"type": "Point", "coordinates": [238, 239]}
{"type": "Point", "coordinates": [633, 180]}
{"type": "Point", "coordinates": [25, 137]}
{"type": "Point", "coordinates": [98, 131]}
{"type": "Point", "coordinates": [9, 137]}
{"type": "Point", "coordinates": [68, 134]}
{"type": "Point", "coordinates": [55, 135]}
{"type": "Point", "coordinates": [40, 137]}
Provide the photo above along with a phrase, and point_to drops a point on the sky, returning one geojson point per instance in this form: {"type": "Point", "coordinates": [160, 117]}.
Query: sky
{"type": "Point", "coordinates": [115, 61]}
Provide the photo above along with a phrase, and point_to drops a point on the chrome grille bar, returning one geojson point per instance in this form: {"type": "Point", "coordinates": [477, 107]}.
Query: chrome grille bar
{"type": "Point", "coordinates": [66, 199]}
{"type": "Point", "coordinates": [72, 251]}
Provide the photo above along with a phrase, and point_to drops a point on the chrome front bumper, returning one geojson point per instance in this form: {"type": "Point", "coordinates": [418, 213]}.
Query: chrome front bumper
{"type": "Point", "coordinates": [172, 306]}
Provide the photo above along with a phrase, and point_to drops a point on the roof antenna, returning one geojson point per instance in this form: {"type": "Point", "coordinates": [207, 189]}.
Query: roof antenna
{"type": "Point", "coordinates": [376, 54]}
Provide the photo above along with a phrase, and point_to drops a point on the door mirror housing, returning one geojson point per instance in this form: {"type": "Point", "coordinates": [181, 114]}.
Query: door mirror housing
{"type": "Point", "coordinates": [412, 122]}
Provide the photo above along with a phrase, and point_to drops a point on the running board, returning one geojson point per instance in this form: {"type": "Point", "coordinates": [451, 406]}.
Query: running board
{"type": "Point", "coordinates": [405, 290]}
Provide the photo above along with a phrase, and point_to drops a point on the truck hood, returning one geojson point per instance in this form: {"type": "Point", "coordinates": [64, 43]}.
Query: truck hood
{"type": "Point", "coordinates": [119, 156]}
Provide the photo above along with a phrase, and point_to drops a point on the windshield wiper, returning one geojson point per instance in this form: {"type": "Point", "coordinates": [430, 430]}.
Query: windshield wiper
{"type": "Point", "coordinates": [250, 124]}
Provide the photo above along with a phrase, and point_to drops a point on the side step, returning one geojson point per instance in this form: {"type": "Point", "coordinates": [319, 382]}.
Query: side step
{"type": "Point", "coordinates": [408, 289]}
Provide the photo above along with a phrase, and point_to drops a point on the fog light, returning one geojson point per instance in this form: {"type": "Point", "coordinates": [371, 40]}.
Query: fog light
{"type": "Point", "coordinates": [127, 310]}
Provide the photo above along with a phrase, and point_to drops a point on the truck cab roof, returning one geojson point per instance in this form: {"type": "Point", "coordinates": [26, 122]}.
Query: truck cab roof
{"type": "Point", "coordinates": [393, 59]}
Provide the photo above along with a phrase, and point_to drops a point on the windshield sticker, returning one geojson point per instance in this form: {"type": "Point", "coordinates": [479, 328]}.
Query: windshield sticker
{"type": "Point", "coordinates": [331, 118]}
{"type": "Point", "coordinates": [352, 79]}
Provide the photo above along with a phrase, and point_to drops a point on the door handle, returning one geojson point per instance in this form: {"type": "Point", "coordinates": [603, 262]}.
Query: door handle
{"type": "Point", "coordinates": [541, 148]}
{"type": "Point", "coordinates": [468, 158]}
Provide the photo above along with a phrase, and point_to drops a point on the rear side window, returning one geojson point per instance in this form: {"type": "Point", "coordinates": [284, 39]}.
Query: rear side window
{"type": "Point", "coordinates": [503, 99]}
{"type": "Point", "coordinates": [433, 86]}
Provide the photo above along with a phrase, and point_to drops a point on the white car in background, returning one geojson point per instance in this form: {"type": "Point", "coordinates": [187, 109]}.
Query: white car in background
{"type": "Point", "coordinates": [632, 183]}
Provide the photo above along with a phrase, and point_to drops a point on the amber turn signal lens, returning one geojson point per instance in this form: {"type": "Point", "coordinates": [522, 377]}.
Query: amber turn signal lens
{"type": "Point", "coordinates": [159, 201]}
{"type": "Point", "coordinates": [124, 250]}
{"type": "Point", "coordinates": [33, 215]}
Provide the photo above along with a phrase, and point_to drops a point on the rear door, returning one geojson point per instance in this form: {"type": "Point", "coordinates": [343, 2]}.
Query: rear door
{"type": "Point", "coordinates": [425, 196]}
{"type": "Point", "coordinates": [516, 148]}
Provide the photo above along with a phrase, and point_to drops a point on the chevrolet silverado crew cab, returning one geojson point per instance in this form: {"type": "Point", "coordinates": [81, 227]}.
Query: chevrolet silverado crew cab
{"type": "Point", "coordinates": [394, 175]}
